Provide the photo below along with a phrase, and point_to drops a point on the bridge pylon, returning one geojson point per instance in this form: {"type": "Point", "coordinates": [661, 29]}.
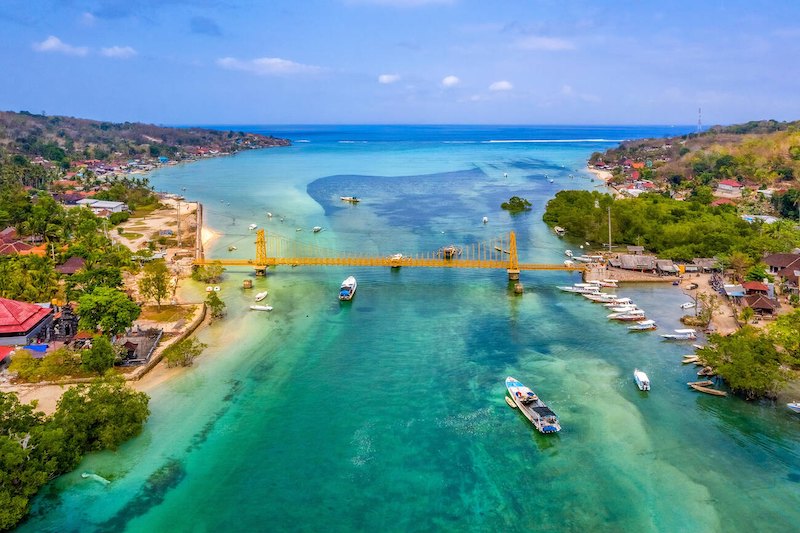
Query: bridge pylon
{"type": "Point", "coordinates": [513, 258]}
{"type": "Point", "coordinates": [261, 254]}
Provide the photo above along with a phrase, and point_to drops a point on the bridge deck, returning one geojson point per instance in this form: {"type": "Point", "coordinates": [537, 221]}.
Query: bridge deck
{"type": "Point", "coordinates": [384, 262]}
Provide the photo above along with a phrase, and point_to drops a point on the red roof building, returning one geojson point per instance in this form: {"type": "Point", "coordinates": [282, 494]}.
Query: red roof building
{"type": "Point", "coordinates": [71, 265]}
{"type": "Point", "coordinates": [21, 321]}
{"type": "Point", "coordinates": [731, 183]}
{"type": "Point", "coordinates": [755, 287]}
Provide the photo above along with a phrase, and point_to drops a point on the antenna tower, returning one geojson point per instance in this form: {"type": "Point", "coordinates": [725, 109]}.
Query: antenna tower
{"type": "Point", "coordinates": [699, 119]}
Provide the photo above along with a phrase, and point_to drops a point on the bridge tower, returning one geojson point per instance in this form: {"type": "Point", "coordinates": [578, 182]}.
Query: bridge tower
{"type": "Point", "coordinates": [261, 254]}
{"type": "Point", "coordinates": [513, 258]}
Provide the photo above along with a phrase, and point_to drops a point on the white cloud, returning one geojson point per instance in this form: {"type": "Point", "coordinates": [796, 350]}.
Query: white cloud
{"type": "Point", "coordinates": [267, 66]}
{"type": "Point", "coordinates": [87, 19]}
{"type": "Point", "coordinates": [121, 52]}
{"type": "Point", "coordinates": [54, 44]}
{"type": "Point", "coordinates": [550, 44]}
{"type": "Point", "coordinates": [567, 90]}
{"type": "Point", "coordinates": [386, 79]}
{"type": "Point", "coordinates": [450, 81]}
{"type": "Point", "coordinates": [501, 85]}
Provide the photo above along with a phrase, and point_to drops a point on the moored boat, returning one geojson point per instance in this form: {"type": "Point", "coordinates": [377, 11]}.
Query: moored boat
{"type": "Point", "coordinates": [559, 231]}
{"type": "Point", "coordinates": [643, 325]}
{"type": "Point", "coordinates": [316, 229]}
{"type": "Point", "coordinates": [641, 379]}
{"type": "Point", "coordinates": [542, 417]}
{"type": "Point", "coordinates": [688, 305]}
{"type": "Point", "coordinates": [351, 199]}
{"type": "Point", "coordinates": [714, 392]}
{"type": "Point", "coordinates": [628, 316]}
{"type": "Point", "coordinates": [348, 289]}
{"type": "Point", "coordinates": [680, 335]}
{"type": "Point", "coordinates": [261, 308]}
{"type": "Point", "coordinates": [260, 296]}
{"type": "Point", "coordinates": [251, 227]}
{"type": "Point", "coordinates": [794, 406]}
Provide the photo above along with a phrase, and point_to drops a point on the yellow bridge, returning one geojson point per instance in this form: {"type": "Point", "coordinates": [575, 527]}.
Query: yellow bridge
{"type": "Point", "coordinates": [498, 253]}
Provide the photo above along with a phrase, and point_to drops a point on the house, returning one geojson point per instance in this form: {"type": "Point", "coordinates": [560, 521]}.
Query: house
{"type": "Point", "coordinates": [705, 264]}
{"type": "Point", "coordinates": [71, 265]}
{"type": "Point", "coordinates": [635, 262]}
{"type": "Point", "coordinates": [666, 267]}
{"type": "Point", "coordinates": [102, 205]}
{"type": "Point", "coordinates": [14, 247]}
{"type": "Point", "coordinates": [8, 235]}
{"type": "Point", "coordinates": [22, 322]}
{"type": "Point", "coordinates": [755, 287]}
{"type": "Point", "coordinates": [760, 304]}
{"type": "Point", "coordinates": [636, 250]}
{"type": "Point", "coordinates": [730, 188]}
{"type": "Point", "coordinates": [778, 262]}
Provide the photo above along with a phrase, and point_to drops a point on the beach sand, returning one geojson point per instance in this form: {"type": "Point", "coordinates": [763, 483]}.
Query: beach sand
{"type": "Point", "coordinates": [604, 175]}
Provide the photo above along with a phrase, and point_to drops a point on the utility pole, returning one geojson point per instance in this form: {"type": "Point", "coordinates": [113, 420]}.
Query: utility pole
{"type": "Point", "coordinates": [179, 223]}
{"type": "Point", "coordinates": [609, 229]}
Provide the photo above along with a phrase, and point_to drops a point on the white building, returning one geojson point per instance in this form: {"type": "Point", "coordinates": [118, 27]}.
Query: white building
{"type": "Point", "coordinates": [102, 205]}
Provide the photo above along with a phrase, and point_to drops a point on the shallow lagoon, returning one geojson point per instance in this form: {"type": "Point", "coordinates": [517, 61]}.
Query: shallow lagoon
{"type": "Point", "coordinates": [387, 412]}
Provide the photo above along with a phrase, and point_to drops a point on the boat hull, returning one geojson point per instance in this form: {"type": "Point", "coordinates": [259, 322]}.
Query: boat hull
{"type": "Point", "coordinates": [348, 289]}
{"type": "Point", "coordinates": [534, 409]}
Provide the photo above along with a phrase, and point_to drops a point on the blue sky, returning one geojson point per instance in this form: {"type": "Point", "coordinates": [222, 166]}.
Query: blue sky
{"type": "Point", "coordinates": [402, 61]}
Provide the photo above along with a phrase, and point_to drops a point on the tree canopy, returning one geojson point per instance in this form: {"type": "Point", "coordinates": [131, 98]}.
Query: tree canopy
{"type": "Point", "coordinates": [107, 309]}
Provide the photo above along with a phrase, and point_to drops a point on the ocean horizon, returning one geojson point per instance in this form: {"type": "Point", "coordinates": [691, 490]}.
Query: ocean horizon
{"type": "Point", "coordinates": [387, 412]}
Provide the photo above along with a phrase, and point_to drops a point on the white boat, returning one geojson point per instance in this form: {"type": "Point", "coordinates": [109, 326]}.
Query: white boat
{"type": "Point", "coordinates": [641, 379]}
{"type": "Point", "coordinates": [261, 308]}
{"type": "Point", "coordinates": [580, 290]}
{"type": "Point", "coordinates": [612, 284]}
{"type": "Point", "coordinates": [688, 305]}
{"type": "Point", "coordinates": [794, 406]}
{"type": "Point", "coordinates": [559, 231]}
{"type": "Point", "coordinates": [485, 220]}
{"type": "Point", "coordinates": [643, 325]}
{"type": "Point", "coordinates": [251, 227]}
{"type": "Point", "coordinates": [269, 214]}
{"type": "Point", "coordinates": [619, 301]}
{"type": "Point", "coordinates": [568, 263]}
{"type": "Point", "coordinates": [348, 289]}
{"type": "Point", "coordinates": [623, 308]}
{"type": "Point", "coordinates": [600, 297]}
{"type": "Point", "coordinates": [261, 295]}
{"type": "Point", "coordinates": [351, 199]}
{"type": "Point", "coordinates": [681, 335]}
{"type": "Point", "coordinates": [568, 253]}
{"type": "Point", "coordinates": [534, 409]}
{"type": "Point", "coordinates": [316, 229]}
{"type": "Point", "coordinates": [628, 316]}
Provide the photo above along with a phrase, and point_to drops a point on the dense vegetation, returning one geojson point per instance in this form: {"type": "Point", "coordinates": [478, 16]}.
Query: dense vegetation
{"type": "Point", "coordinates": [35, 448]}
{"type": "Point", "coordinates": [756, 364]}
{"type": "Point", "coordinates": [515, 204]}
{"type": "Point", "coordinates": [65, 139]}
{"type": "Point", "coordinates": [680, 230]}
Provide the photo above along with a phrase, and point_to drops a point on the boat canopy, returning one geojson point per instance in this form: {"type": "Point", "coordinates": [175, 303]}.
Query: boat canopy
{"type": "Point", "coordinates": [543, 411]}
{"type": "Point", "coordinates": [682, 331]}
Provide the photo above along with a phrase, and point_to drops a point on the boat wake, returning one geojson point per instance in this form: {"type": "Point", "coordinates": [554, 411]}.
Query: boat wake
{"type": "Point", "coordinates": [365, 450]}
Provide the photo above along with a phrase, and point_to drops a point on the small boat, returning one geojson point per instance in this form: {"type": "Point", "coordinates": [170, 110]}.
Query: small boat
{"type": "Point", "coordinates": [704, 383]}
{"type": "Point", "coordinates": [690, 359]}
{"type": "Point", "coordinates": [568, 253]}
{"type": "Point", "coordinates": [510, 402]}
{"type": "Point", "coordinates": [618, 301]}
{"type": "Point", "coordinates": [269, 215]}
{"type": "Point", "coordinates": [560, 231]}
{"type": "Point", "coordinates": [580, 290]}
{"type": "Point", "coordinates": [316, 229]}
{"type": "Point", "coordinates": [794, 406]}
{"type": "Point", "coordinates": [707, 390]}
{"type": "Point", "coordinates": [611, 282]}
{"type": "Point", "coordinates": [706, 371]}
{"type": "Point", "coordinates": [643, 325]}
{"type": "Point", "coordinates": [232, 248]}
{"type": "Point", "coordinates": [485, 220]}
{"type": "Point", "coordinates": [680, 335]}
{"type": "Point", "coordinates": [676, 282]}
{"type": "Point", "coordinates": [601, 298]}
{"type": "Point", "coordinates": [623, 308]}
{"type": "Point", "coordinates": [534, 409]}
{"type": "Point", "coordinates": [688, 305]}
{"type": "Point", "coordinates": [550, 180]}
{"type": "Point", "coordinates": [568, 263]}
{"type": "Point", "coordinates": [629, 316]}
{"type": "Point", "coordinates": [261, 295]}
{"type": "Point", "coordinates": [351, 199]}
{"type": "Point", "coordinates": [261, 308]}
{"type": "Point", "coordinates": [641, 379]}
{"type": "Point", "coordinates": [348, 289]}
{"type": "Point", "coordinates": [251, 227]}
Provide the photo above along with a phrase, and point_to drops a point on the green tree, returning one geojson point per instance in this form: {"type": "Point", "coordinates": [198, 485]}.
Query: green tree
{"type": "Point", "coordinates": [785, 333]}
{"type": "Point", "coordinates": [107, 309]}
{"type": "Point", "coordinates": [102, 414]}
{"type": "Point", "coordinates": [208, 273]}
{"type": "Point", "coordinates": [184, 352]}
{"type": "Point", "coordinates": [516, 204]}
{"type": "Point", "coordinates": [215, 305]}
{"type": "Point", "coordinates": [747, 361]}
{"type": "Point", "coordinates": [155, 281]}
{"type": "Point", "coordinates": [100, 357]}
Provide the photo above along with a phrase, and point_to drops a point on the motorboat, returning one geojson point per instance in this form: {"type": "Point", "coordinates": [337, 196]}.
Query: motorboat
{"type": "Point", "coordinates": [261, 308]}
{"type": "Point", "coordinates": [559, 231]}
{"type": "Point", "coordinates": [623, 308]}
{"type": "Point", "coordinates": [316, 229]}
{"type": "Point", "coordinates": [794, 406]}
{"type": "Point", "coordinates": [629, 316]}
{"type": "Point", "coordinates": [251, 227]}
{"type": "Point", "coordinates": [261, 295]}
{"type": "Point", "coordinates": [485, 220]}
{"type": "Point", "coordinates": [542, 417]}
{"type": "Point", "coordinates": [580, 289]}
{"type": "Point", "coordinates": [641, 379]}
{"type": "Point", "coordinates": [601, 298]}
{"type": "Point", "coordinates": [348, 289]}
{"type": "Point", "coordinates": [351, 199]}
{"type": "Point", "coordinates": [643, 325]}
{"type": "Point", "coordinates": [681, 335]}
{"type": "Point", "coordinates": [688, 305]}
{"type": "Point", "coordinates": [618, 301]}
{"type": "Point", "coordinates": [568, 253]}
{"type": "Point", "coordinates": [232, 248]}
{"type": "Point", "coordinates": [608, 283]}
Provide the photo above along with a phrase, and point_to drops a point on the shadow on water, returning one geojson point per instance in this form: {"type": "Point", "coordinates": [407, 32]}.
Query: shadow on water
{"type": "Point", "coordinates": [152, 493]}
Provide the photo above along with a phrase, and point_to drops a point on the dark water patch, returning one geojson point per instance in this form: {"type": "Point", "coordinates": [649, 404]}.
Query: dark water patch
{"type": "Point", "coordinates": [794, 477]}
{"type": "Point", "coordinates": [236, 386]}
{"type": "Point", "coordinates": [538, 164]}
{"type": "Point", "coordinates": [201, 436]}
{"type": "Point", "coordinates": [365, 309]}
{"type": "Point", "coordinates": [152, 493]}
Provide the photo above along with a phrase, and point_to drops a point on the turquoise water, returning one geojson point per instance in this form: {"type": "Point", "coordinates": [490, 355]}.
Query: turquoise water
{"type": "Point", "coordinates": [387, 413]}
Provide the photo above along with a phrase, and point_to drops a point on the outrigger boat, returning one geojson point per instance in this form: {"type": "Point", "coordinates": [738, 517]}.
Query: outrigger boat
{"type": "Point", "coordinates": [643, 325]}
{"type": "Point", "coordinates": [351, 199]}
{"type": "Point", "coordinates": [680, 335]}
{"type": "Point", "coordinates": [534, 409]}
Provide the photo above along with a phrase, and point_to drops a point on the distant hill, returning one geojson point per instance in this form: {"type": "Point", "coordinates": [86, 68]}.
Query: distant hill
{"type": "Point", "coordinates": [762, 153]}
{"type": "Point", "coordinates": [64, 139]}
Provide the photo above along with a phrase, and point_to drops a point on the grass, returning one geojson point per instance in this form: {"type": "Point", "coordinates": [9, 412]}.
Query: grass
{"type": "Point", "coordinates": [131, 236]}
{"type": "Point", "coordinates": [144, 210]}
{"type": "Point", "coordinates": [168, 313]}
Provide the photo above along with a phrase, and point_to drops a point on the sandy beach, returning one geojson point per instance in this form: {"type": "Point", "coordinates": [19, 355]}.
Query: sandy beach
{"type": "Point", "coordinates": [604, 175]}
